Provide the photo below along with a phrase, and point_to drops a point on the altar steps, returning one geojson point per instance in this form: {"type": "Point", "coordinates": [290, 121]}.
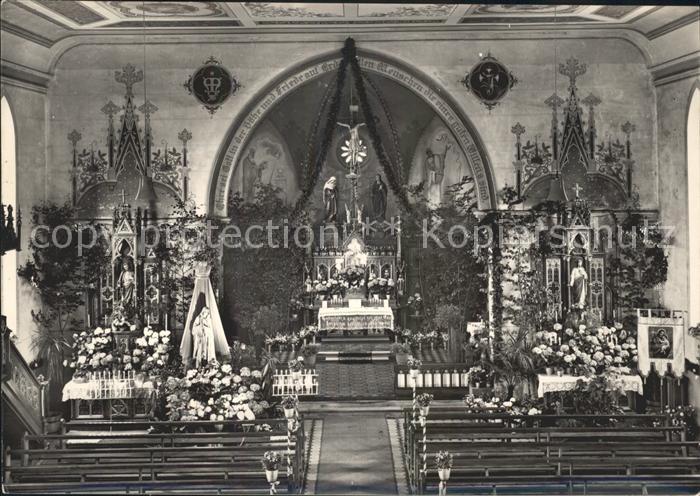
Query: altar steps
{"type": "Point", "coordinates": [354, 356]}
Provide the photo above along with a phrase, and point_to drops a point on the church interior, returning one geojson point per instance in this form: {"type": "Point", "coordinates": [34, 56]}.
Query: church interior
{"type": "Point", "coordinates": [332, 248]}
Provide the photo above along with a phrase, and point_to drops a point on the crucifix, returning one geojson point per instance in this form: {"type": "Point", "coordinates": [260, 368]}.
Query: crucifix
{"type": "Point", "coordinates": [577, 189]}
{"type": "Point", "coordinates": [572, 69]}
{"type": "Point", "coordinates": [354, 152]}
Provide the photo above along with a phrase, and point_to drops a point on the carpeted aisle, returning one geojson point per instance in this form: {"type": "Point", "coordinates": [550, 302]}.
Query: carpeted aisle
{"type": "Point", "coordinates": [355, 455]}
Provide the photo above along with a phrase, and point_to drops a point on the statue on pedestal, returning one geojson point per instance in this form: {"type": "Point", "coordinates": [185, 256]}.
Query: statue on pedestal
{"type": "Point", "coordinates": [379, 194]}
{"type": "Point", "coordinates": [330, 200]}
{"type": "Point", "coordinates": [577, 282]}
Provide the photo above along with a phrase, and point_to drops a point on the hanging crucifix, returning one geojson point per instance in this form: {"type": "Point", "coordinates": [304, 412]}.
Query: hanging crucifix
{"type": "Point", "coordinates": [354, 151]}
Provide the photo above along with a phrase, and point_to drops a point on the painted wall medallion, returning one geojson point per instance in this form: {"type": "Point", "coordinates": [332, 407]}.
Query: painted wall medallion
{"type": "Point", "coordinates": [489, 80]}
{"type": "Point", "coordinates": [212, 84]}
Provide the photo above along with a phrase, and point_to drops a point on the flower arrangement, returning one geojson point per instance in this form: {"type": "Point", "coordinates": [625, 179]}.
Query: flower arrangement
{"type": "Point", "coordinates": [478, 376]}
{"type": "Point", "coordinates": [586, 351]}
{"type": "Point", "coordinates": [511, 406]}
{"type": "Point", "coordinates": [414, 363]}
{"type": "Point", "coordinates": [289, 402]}
{"type": "Point", "coordinates": [296, 365]}
{"type": "Point", "coordinates": [424, 399]}
{"type": "Point", "coordinates": [150, 353]}
{"type": "Point", "coordinates": [93, 351]}
{"type": "Point", "coordinates": [352, 277]}
{"type": "Point", "coordinates": [443, 460]}
{"type": "Point", "coordinates": [216, 392]}
{"type": "Point", "coordinates": [271, 460]}
{"type": "Point", "coordinates": [684, 416]}
{"type": "Point", "coordinates": [306, 332]}
{"type": "Point", "coordinates": [380, 286]}
{"type": "Point", "coordinates": [415, 301]}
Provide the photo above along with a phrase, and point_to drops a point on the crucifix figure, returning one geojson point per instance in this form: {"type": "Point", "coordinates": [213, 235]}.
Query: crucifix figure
{"type": "Point", "coordinates": [577, 189]}
{"type": "Point", "coordinates": [356, 151]}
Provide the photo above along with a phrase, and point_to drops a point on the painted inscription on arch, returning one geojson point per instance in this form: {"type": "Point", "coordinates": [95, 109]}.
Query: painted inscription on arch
{"type": "Point", "coordinates": [444, 110]}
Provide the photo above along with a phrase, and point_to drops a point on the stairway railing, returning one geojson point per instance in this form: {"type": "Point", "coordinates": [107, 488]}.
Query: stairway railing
{"type": "Point", "coordinates": [24, 393]}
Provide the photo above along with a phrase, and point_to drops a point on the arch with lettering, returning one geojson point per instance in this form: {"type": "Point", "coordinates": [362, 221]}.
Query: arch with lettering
{"type": "Point", "coordinates": [454, 118]}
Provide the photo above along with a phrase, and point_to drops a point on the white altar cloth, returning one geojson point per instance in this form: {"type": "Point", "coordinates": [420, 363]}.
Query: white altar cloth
{"type": "Point", "coordinates": [555, 383]}
{"type": "Point", "coordinates": [355, 318]}
{"type": "Point", "coordinates": [106, 389]}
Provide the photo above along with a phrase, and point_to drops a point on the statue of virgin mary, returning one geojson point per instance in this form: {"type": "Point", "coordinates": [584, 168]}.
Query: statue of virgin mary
{"type": "Point", "coordinates": [330, 200]}
{"type": "Point", "coordinates": [203, 339]}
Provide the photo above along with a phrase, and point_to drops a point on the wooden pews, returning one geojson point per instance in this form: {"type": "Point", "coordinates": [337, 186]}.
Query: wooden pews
{"type": "Point", "coordinates": [496, 450]}
{"type": "Point", "coordinates": [190, 457]}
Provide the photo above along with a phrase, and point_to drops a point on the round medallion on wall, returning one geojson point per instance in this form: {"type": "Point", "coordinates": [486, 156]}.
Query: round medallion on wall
{"type": "Point", "coordinates": [489, 80]}
{"type": "Point", "coordinates": [212, 84]}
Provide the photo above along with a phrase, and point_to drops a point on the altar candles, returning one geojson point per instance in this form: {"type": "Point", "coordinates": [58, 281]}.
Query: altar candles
{"type": "Point", "coordinates": [166, 321]}
{"type": "Point", "coordinates": [88, 316]}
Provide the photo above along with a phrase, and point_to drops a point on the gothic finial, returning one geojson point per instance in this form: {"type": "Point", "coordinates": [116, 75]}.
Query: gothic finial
{"type": "Point", "coordinates": [572, 69]}
{"type": "Point", "coordinates": [628, 128]}
{"type": "Point", "coordinates": [148, 108]}
{"type": "Point", "coordinates": [74, 136]}
{"type": "Point", "coordinates": [110, 109]}
{"type": "Point", "coordinates": [185, 135]}
{"type": "Point", "coordinates": [518, 129]}
{"type": "Point", "coordinates": [554, 101]}
{"type": "Point", "coordinates": [129, 76]}
{"type": "Point", "coordinates": [591, 100]}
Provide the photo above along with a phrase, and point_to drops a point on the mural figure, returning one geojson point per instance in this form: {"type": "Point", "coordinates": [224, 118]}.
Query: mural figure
{"type": "Point", "coordinates": [379, 194]}
{"type": "Point", "coordinates": [578, 281]}
{"type": "Point", "coordinates": [435, 169]}
{"type": "Point", "coordinates": [252, 172]}
{"type": "Point", "coordinates": [330, 200]}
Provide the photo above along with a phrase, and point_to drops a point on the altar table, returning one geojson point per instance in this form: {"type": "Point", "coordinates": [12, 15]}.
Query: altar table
{"type": "Point", "coordinates": [109, 398]}
{"type": "Point", "coordinates": [556, 383]}
{"type": "Point", "coordinates": [355, 317]}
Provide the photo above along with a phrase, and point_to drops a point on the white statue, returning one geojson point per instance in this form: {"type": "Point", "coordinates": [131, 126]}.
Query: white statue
{"type": "Point", "coordinates": [577, 282]}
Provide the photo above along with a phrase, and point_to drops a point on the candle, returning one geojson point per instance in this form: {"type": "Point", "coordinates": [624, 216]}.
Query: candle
{"type": "Point", "coordinates": [166, 321]}
{"type": "Point", "coordinates": [148, 320]}
{"type": "Point", "coordinates": [88, 315]}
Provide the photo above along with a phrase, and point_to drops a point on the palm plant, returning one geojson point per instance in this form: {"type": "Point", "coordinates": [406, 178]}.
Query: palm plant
{"type": "Point", "coordinates": [513, 360]}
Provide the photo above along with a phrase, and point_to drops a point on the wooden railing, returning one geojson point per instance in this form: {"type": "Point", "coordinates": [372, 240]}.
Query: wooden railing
{"type": "Point", "coordinates": [24, 393]}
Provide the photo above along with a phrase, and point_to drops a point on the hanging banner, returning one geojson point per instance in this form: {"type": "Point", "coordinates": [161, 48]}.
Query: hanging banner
{"type": "Point", "coordinates": [661, 341]}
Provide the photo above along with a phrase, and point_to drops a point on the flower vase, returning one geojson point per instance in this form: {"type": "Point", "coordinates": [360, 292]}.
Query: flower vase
{"type": "Point", "coordinates": [413, 373]}
{"type": "Point", "coordinates": [432, 345]}
{"type": "Point", "coordinates": [560, 372]}
{"type": "Point", "coordinates": [548, 371]}
{"type": "Point", "coordinates": [271, 475]}
{"type": "Point", "coordinates": [444, 474]}
{"type": "Point", "coordinates": [289, 413]}
{"type": "Point", "coordinates": [424, 411]}
{"type": "Point", "coordinates": [219, 427]}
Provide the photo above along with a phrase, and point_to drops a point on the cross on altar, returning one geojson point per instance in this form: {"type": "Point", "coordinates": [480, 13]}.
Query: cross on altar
{"type": "Point", "coordinates": [128, 75]}
{"type": "Point", "coordinates": [577, 189]}
{"type": "Point", "coordinates": [572, 69]}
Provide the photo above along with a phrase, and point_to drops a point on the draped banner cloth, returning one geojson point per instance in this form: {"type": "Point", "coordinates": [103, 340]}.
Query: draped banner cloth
{"type": "Point", "coordinates": [661, 341]}
{"type": "Point", "coordinates": [208, 338]}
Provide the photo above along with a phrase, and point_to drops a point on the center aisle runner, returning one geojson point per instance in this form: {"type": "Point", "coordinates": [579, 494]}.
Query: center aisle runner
{"type": "Point", "coordinates": [355, 455]}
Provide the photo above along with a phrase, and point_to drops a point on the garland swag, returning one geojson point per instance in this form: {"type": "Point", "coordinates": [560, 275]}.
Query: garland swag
{"type": "Point", "coordinates": [312, 169]}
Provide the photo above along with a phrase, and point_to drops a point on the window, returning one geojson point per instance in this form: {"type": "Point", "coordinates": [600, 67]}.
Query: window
{"type": "Point", "coordinates": [693, 150]}
{"type": "Point", "coordinates": [8, 193]}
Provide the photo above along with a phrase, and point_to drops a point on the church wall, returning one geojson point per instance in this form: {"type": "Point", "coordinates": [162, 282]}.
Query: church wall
{"type": "Point", "coordinates": [84, 81]}
{"type": "Point", "coordinates": [28, 111]}
{"type": "Point", "coordinates": [673, 100]}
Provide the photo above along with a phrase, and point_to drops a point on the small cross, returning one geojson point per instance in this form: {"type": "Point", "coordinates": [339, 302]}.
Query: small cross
{"type": "Point", "coordinates": [591, 100]}
{"type": "Point", "coordinates": [518, 129]}
{"type": "Point", "coordinates": [572, 69]}
{"type": "Point", "coordinates": [577, 189]}
{"type": "Point", "coordinates": [110, 109]}
{"type": "Point", "coordinates": [128, 75]}
{"type": "Point", "coordinates": [74, 136]}
{"type": "Point", "coordinates": [148, 108]}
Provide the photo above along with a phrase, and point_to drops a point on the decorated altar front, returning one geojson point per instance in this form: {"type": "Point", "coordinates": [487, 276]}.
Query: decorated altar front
{"type": "Point", "coordinates": [557, 383]}
{"type": "Point", "coordinates": [355, 315]}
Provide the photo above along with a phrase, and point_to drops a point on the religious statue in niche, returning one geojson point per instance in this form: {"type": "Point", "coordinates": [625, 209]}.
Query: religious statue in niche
{"type": "Point", "coordinates": [203, 348]}
{"type": "Point", "coordinates": [578, 282]}
{"type": "Point", "coordinates": [379, 196]}
{"type": "Point", "coordinates": [125, 278]}
{"type": "Point", "coordinates": [330, 200]}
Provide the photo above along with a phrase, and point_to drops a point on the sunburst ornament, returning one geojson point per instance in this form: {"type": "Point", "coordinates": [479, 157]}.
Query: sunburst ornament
{"type": "Point", "coordinates": [353, 152]}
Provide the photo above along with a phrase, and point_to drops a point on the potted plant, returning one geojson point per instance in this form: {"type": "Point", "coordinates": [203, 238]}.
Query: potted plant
{"type": "Point", "coordinates": [295, 367]}
{"type": "Point", "coordinates": [289, 405]}
{"type": "Point", "coordinates": [424, 400]}
{"type": "Point", "coordinates": [400, 351]}
{"type": "Point", "coordinates": [443, 463]}
{"type": "Point", "coordinates": [414, 365]}
{"type": "Point", "coordinates": [309, 352]}
{"type": "Point", "coordinates": [271, 463]}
